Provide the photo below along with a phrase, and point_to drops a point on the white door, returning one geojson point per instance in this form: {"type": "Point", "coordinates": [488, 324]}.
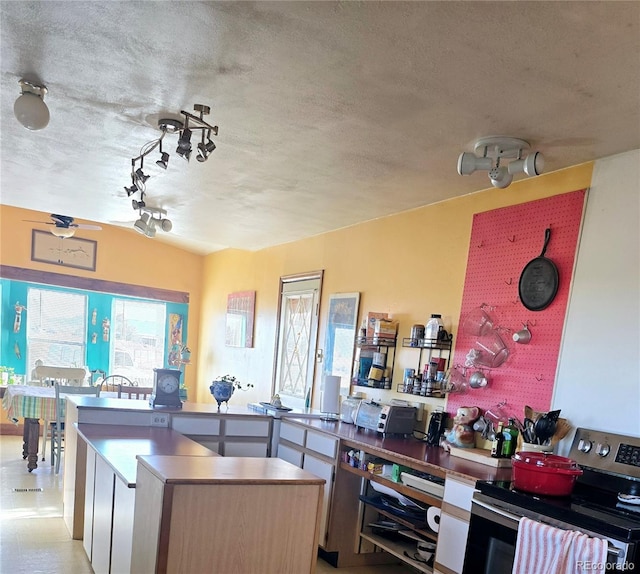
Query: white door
{"type": "Point", "coordinates": [297, 335]}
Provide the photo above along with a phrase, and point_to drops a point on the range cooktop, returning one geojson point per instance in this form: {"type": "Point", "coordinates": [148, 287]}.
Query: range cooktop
{"type": "Point", "coordinates": [611, 466]}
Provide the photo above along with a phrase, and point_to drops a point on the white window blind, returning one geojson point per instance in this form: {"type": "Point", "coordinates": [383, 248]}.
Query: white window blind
{"type": "Point", "coordinates": [56, 328]}
{"type": "Point", "coordinates": [137, 339]}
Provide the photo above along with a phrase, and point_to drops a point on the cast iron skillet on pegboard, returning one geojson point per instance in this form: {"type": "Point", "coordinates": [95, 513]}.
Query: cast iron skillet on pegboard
{"type": "Point", "coordinates": [539, 280]}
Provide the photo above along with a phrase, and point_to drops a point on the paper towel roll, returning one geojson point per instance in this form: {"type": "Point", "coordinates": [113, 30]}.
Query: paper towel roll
{"type": "Point", "coordinates": [433, 518]}
{"type": "Point", "coordinates": [330, 402]}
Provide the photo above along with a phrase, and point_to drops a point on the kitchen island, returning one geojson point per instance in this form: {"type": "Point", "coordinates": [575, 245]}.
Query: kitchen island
{"type": "Point", "coordinates": [319, 447]}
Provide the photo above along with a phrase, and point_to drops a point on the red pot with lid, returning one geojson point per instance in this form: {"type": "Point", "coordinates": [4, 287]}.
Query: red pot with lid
{"type": "Point", "coordinates": [544, 473]}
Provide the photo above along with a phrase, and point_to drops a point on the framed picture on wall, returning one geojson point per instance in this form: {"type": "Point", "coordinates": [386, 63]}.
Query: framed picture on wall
{"type": "Point", "coordinates": [340, 336]}
{"type": "Point", "coordinates": [67, 252]}
{"type": "Point", "coordinates": [239, 325]}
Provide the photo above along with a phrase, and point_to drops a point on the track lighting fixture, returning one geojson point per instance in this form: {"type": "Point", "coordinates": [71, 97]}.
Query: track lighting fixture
{"type": "Point", "coordinates": [150, 219]}
{"type": "Point", "coordinates": [30, 109]}
{"type": "Point", "coordinates": [184, 130]}
{"type": "Point", "coordinates": [495, 150]}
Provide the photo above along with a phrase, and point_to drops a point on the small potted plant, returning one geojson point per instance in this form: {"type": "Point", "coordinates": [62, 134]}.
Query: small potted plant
{"type": "Point", "coordinates": [222, 388]}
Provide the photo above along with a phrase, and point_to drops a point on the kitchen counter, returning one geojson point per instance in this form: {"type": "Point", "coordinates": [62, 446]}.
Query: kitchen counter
{"type": "Point", "coordinates": [407, 451]}
{"type": "Point", "coordinates": [143, 406]}
{"type": "Point", "coordinates": [119, 446]}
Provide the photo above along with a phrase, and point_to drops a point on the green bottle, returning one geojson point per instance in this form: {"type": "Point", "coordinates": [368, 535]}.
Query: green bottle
{"type": "Point", "coordinates": [510, 439]}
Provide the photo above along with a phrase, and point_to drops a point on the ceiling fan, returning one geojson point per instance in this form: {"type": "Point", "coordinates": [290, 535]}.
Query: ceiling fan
{"type": "Point", "coordinates": [64, 225]}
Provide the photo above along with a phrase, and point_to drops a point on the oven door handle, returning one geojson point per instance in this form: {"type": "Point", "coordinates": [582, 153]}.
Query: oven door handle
{"type": "Point", "coordinates": [494, 514]}
{"type": "Point", "coordinates": [512, 521]}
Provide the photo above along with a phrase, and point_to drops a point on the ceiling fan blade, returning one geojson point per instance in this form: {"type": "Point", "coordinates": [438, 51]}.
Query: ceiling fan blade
{"type": "Point", "coordinates": [86, 226]}
{"type": "Point", "coordinates": [42, 222]}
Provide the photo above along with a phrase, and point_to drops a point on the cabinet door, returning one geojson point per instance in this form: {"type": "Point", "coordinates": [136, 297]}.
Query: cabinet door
{"type": "Point", "coordinates": [122, 539]}
{"type": "Point", "coordinates": [323, 470]}
{"type": "Point", "coordinates": [88, 501]}
{"type": "Point", "coordinates": [452, 542]}
{"type": "Point", "coordinates": [254, 449]}
{"type": "Point", "coordinates": [290, 455]}
{"type": "Point", "coordinates": [102, 517]}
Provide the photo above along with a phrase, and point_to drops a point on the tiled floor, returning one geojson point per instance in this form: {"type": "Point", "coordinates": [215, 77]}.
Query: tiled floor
{"type": "Point", "coordinates": [33, 536]}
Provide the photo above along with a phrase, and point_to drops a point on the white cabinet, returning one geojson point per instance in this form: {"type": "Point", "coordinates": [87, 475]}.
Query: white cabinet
{"type": "Point", "coordinates": [102, 517]}
{"type": "Point", "coordinates": [452, 538]}
{"type": "Point", "coordinates": [108, 518]}
{"type": "Point", "coordinates": [228, 434]}
{"type": "Point", "coordinates": [315, 452]}
{"type": "Point", "coordinates": [324, 470]}
{"type": "Point", "coordinates": [122, 538]}
{"type": "Point", "coordinates": [454, 525]}
{"type": "Point", "coordinates": [87, 538]}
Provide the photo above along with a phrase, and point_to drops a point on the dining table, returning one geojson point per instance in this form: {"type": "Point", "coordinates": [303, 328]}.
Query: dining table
{"type": "Point", "coordinates": [31, 403]}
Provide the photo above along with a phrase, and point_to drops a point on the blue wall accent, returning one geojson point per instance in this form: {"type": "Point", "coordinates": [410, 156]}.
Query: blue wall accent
{"type": "Point", "coordinates": [97, 356]}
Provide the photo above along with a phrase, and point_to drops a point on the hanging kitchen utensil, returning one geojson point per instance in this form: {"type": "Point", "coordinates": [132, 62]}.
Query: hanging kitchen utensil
{"type": "Point", "coordinates": [539, 280]}
{"type": "Point", "coordinates": [529, 433]}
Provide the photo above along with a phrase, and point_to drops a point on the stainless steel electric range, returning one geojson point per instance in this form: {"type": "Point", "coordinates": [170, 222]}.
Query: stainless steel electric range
{"type": "Point", "coordinates": [605, 503]}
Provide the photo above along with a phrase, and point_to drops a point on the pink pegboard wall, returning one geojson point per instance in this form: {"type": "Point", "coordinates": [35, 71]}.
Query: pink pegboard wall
{"type": "Point", "coordinates": [503, 241]}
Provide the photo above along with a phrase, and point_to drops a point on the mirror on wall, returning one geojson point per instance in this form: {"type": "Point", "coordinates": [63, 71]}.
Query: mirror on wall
{"type": "Point", "coordinates": [340, 337]}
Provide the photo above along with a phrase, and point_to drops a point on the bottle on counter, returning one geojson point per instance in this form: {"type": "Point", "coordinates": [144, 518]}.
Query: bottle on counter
{"type": "Point", "coordinates": [498, 441]}
{"type": "Point", "coordinates": [510, 439]}
{"type": "Point", "coordinates": [433, 327]}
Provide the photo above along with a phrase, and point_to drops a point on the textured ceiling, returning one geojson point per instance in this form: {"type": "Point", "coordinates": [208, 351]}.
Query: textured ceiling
{"type": "Point", "coordinates": [330, 113]}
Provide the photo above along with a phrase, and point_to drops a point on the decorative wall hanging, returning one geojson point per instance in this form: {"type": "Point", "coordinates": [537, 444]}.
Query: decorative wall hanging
{"type": "Point", "coordinates": [67, 252]}
{"type": "Point", "coordinates": [340, 336]}
{"type": "Point", "coordinates": [240, 315]}
{"type": "Point", "coordinates": [106, 326]}
{"type": "Point", "coordinates": [17, 322]}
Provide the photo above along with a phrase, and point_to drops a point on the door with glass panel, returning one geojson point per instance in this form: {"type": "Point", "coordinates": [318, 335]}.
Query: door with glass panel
{"type": "Point", "coordinates": [297, 336]}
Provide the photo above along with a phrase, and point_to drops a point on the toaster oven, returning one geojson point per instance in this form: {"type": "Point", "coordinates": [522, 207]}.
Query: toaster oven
{"type": "Point", "coordinates": [385, 419]}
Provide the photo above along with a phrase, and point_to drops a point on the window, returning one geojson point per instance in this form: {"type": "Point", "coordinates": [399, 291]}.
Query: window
{"type": "Point", "coordinates": [137, 339]}
{"type": "Point", "coordinates": [56, 328]}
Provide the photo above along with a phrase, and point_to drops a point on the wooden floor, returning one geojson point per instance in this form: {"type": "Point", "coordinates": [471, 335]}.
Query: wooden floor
{"type": "Point", "coordinates": [33, 536]}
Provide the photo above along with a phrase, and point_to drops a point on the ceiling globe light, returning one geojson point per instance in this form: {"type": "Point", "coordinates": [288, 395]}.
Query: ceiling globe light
{"type": "Point", "coordinates": [30, 109]}
{"type": "Point", "coordinates": [63, 232]}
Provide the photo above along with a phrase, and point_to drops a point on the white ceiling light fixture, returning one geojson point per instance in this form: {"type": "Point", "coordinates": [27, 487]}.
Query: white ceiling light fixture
{"type": "Point", "coordinates": [30, 109]}
{"type": "Point", "coordinates": [490, 155]}
{"type": "Point", "coordinates": [152, 218]}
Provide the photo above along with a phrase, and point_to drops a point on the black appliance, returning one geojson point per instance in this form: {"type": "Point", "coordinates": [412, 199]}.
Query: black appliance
{"type": "Point", "coordinates": [437, 424]}
{"type": "Point", "coordinates": [611, 465]}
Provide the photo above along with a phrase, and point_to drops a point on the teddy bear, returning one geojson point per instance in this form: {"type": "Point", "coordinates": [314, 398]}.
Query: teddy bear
{"type": "Point", "coordinates": [461, 434]}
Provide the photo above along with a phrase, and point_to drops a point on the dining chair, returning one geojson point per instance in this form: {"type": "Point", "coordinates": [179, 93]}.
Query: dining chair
{"type": "Point", "coordinates": [47, 376]}
{"type": "Point", "coordinates": [113, 383]}
{"type": "Point", "coordinates": [134, 392]}
{"type": "Point", "coordinates": [57, 427]}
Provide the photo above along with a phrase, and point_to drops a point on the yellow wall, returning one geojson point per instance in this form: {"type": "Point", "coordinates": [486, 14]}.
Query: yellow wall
{"type": "Point", "coordinates": [408, 265]}
{"type": "Point", "coordinates": [122, 255]}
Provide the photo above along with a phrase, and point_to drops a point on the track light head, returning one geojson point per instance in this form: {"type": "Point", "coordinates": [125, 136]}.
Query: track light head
{"type": "Point", "coordinates": [141, 176]}
{"type": "Point", "coordinates": [163, 161]}
{"type": "Point", "coordinates": [30, 109]}
{"type": "Point", "coordinates": [138, 204]}
{"type": "Point", "coordinates": [532, 165]}
{"type": "Point", "coordinates": [131, 190]}
{"type": "Point", "coordinates": [469, 162]}
{"type": "Point", "coordinates": [166, 225]}
{"type": "Point", "coordinates": [151, 228]}
{"type": "Point", "coordinates": [141, 225]}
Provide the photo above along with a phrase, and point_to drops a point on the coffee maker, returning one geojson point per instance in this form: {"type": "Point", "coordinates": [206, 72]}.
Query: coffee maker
{"type": "Point", "coordinates": [436, 427]}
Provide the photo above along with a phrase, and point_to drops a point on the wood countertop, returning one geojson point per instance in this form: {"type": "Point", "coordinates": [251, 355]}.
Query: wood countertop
{"type": "Point", "coordinates": [231, 470]}
{"type": "Point", "coordinates": [119, 445]}
{"type": "Point", "coordinates": [410, 451]}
